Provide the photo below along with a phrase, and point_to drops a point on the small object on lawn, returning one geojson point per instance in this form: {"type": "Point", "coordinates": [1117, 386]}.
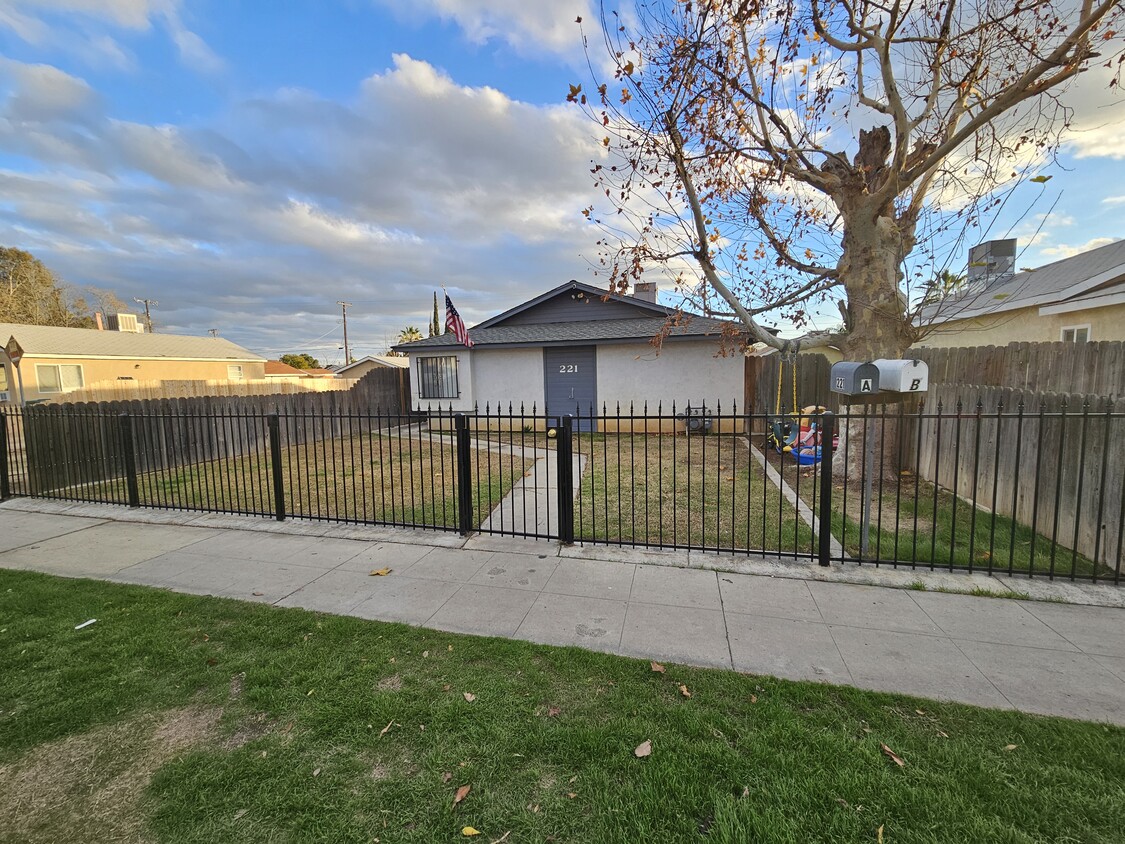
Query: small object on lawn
{"type": "Point", "coordinates": [240, 813]}
{"type": "Point", "coordinates": [503, 837]}
{"type": "Point", "coordinates": [468, 830]}
{"type": "Point", "coordinates": [380, 572]}
{"type": "Point", "coordinates": [385, 729]}
{"type": "Point", "coordinates": [316, 773]}
{"type": "Point", "coordinates": [684, 690]}
{"type": "Point", "coordinates": [1011, 746]}
{"type": "Point", "coordinates": [461, 794]}
{"type": "Point", "coordinates": [643, 749]}
{"type": "Point", "coordinates": [894, 757]}
{"type": "Point", "coordinates": [657, 667]}
{"type": "Point", "coordinates": [85, 624]}
{"type": "Point", "coordinates": [446, 777]}
{"type": "Point", "coordinates": [469, 696]}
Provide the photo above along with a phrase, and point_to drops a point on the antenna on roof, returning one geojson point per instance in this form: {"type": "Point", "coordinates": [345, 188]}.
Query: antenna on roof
{"type": "Point", "coordinates": [148, 316]}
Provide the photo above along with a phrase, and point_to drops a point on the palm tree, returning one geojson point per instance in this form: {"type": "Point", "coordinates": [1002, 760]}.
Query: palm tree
{"type": "Point", "coordinates": [409, 334]}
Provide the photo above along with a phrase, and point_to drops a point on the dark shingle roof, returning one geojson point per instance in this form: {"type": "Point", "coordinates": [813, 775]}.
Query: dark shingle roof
{"type": "Point", "coordinates": [1042, 286]}
{"type": "Point", "coordinates": [624, 330]}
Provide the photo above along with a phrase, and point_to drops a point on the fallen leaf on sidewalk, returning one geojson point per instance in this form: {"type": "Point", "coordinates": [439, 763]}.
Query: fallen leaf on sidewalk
{"type": "Point", "coordinates": [470, 697]}
{"type": "Point", "coordinates": [461, 794]}
{"type": "Point", "coordinates": [258, 594]}
{"type": "Point", "coordinates": [657, 667]}
{"type": "Point", "coordinates": [684, 690]}
{"type": "Point", "coordinates": [380, 572]}
{"type": "Point", "coordinates": [894, 757]}
{"type": "Point", "coordinates": [643, 749]}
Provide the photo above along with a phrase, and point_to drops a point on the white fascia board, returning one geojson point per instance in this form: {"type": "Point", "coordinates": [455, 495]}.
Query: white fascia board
{"type": "Point", "coordinates": [1083, 304]}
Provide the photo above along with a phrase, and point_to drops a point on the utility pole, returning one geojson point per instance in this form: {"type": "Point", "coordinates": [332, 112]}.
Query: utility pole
{"type": "Point", "coordinates": [214, 332]}
{"type": "Point", "coordinates": [148, 316]}
{"type": "Point", "coordinates": [347, 352]}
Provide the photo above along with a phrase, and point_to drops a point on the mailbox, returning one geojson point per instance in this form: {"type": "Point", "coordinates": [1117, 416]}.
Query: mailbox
{"type": "Point", "coordinates": [854, 379]}
{"type": "Point", "coordinates": [903, 376]}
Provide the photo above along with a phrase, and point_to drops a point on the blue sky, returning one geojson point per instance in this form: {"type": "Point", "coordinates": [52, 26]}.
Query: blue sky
{"type": "Point", "coordinates": [247, 164]}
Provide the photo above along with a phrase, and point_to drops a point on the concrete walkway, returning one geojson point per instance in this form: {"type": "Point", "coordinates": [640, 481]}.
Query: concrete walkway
{"type": "Point", "coordinates": [789, 620]}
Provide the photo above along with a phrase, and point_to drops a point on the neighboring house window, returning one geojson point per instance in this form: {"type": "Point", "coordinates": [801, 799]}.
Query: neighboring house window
{"type": "Point", "coordinates": [438, 377]}
{"type": "Point", "coordinates": [60, 378]}
{"type": "Point", "coordinates": [1076, 334]}
{"type": "Point", "coordinates": [234, 372]}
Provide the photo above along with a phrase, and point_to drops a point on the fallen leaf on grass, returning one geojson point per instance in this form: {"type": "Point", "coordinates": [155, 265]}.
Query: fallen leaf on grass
{"type": "Point", "coordinates": [533, 809]}
{"type": "Point", "coordinates": [879, 834]}
{"type": "Point", "coordinates": [446, 777]}
{"type": "Point", "coordinates": [1011, 746]}
{"type": "Point", "coordinates": [552, 711]}
{"type": "Point", "coordinates": [745, 791]}
{"type": "Point", "coordinates": [379, 572]}
{"type": "Point", "coordinates": [894, 757]}
{"type": "Point", "coordinates": [316, 773]}
{"type": "Point", "coordinates": [461, 794]}
{"type": "Point", "coordinates": [470, 697]}
{"type": "Point", "coordinates": [468, 830]}
{"type": "Point", "coordinates": [943, 734]}
{"type": "Point", "coordinates": [684, 691]}
{"type": "Point", "coordinates": [571, 795]}
{"type": "Point", "coordinates": [753, 698]}
{"type": "Point", "coordinates": [643, 749]}
{"type": "Point", "coordinates": [386, 729]}
{"type": "Point", "coordinates": [425, 654]}
{"type": "Point", "coordinates": [240, 813]}
{"type": "Point", "coordinates": [657, 667]}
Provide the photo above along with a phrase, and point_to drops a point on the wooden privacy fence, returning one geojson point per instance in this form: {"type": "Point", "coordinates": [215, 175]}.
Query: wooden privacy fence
{"type": "Point", "coordinates": [1047, 459]}
{"type": "Point", "coordinates": [86, 443]}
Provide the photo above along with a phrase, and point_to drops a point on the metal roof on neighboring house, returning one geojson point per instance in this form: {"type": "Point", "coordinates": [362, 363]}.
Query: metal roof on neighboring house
{"type": "Point", "coordinates": [1046, 285]}
{"type": "Point", "coordinates": [624, 330]}
{"type": "Point", "coordinates": [52, 341]}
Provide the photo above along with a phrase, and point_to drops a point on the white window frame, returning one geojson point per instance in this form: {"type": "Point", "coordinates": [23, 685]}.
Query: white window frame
{"type": "Point", "coordinates": [1075, 329]}
{"type": "Point", "coordinates": [447, 381]}
{"type": "Point", "coordinates": [231, 376]}
{"type": "Point", "coordinates": [58, 374]}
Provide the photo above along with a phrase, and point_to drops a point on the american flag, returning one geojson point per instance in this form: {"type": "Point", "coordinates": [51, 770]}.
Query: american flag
{"type": "Point", "coordinates": [454, 323]}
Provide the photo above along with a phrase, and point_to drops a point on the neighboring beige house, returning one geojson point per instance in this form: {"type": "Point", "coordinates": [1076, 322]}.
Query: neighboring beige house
{"type": "Point", "coordinates": [57, 361]}
{"type": "Point", "coordinates": [278, 372]}
{"type": "Point", "coordinates": [1076, 300]}
{"type": "Point", "coordinates": [364, 365]}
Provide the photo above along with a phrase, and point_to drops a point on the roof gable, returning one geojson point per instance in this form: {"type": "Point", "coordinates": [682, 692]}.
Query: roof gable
{"type": "Point", "coordinates": [575, 301]}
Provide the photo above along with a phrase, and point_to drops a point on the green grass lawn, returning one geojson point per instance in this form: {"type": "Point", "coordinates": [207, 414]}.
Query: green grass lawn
{"type": "Point", "coordinates": [185, 719]}
{"type": "Point", "coordinates": [406, 480]}
{"type": "Point", "coordinates": [682, 491]}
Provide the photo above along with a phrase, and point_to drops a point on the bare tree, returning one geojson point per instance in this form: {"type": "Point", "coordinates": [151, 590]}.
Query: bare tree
{"type": "Point", "coordinates": [782, 153]}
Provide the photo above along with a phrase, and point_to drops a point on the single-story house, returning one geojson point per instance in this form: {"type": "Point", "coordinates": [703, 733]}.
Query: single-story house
{"type": "Point", "coordinates": [1076, 300]}
{"type": "Point", "coordinates": [278, 372]}
{"type": "Point", "coordinates": [60, 360]}
{"type": "Point", "coordinates": [576, 349]}
{"type": "Point", "coordinates": [365, 364]}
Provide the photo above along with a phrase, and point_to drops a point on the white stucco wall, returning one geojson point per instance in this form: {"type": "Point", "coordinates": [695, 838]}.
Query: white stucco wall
{"type": "Point", "coordinates": [503, 376]}
{"type": "Point", "coordinates": [682, 372]}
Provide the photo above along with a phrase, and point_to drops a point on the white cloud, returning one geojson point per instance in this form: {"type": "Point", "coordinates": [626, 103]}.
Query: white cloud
{"type": "Point", "coordinates": [286, 203]}
{"type": "Point", "coordinates": [1065, 251]}
{"type": "Point", "coordinates": [529, 27]}
{"type": "Point", "coordinates": [1114, 200]}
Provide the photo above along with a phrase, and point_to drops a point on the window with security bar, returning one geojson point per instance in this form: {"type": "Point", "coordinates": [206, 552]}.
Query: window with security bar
{"type": "Point", "coordinates": [437, 377]}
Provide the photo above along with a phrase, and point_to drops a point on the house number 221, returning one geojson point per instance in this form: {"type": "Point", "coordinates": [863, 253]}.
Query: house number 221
{"type": "Point", "coordinates": [568, 367]}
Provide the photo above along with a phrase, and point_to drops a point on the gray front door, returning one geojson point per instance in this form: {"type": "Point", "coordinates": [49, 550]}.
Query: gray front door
{"type": "Point", "coordinates": [572, 383]}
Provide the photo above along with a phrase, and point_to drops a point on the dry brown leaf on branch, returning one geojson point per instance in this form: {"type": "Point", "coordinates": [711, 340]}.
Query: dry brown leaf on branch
{"type": "Point", "coordinates": [684, 690]}
{"type": "Point", "coordinates": [657, 667]}
{"type": "Point", "coordinates": [894, 757]}
{"type": "Point", "coordinates": [461, 794]}
{"type": "Point", "coordinates": [469, 696]}
{"type": "Point", "coordinates": [380, 572]}
{"type": "Point", "coordinates": [643, 749]}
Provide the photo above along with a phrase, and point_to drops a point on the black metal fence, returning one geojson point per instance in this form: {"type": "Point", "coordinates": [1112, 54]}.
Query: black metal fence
{"type": "Point", "coordinates": [1025, 491]}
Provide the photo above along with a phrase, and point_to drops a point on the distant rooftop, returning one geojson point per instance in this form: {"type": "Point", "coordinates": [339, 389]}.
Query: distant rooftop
{"type": "Point", "coordinates": [52, 341]}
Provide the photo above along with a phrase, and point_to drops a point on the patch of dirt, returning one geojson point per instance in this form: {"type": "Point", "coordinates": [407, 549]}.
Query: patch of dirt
{"type": "Point", "coordinates": [380, 772]}
{"type": "Point", "coordinates": [237, 684]}
{"type": "Point", "coordinates": [89, 787]}
{"type": "Point", "coordinates": [249, 730]}
{"type": "Point", "coordinates": [390, 684]}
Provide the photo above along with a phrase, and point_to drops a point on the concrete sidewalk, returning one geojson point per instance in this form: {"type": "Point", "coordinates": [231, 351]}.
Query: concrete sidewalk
{"type": "Point", "coordinates": [788, 620]}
